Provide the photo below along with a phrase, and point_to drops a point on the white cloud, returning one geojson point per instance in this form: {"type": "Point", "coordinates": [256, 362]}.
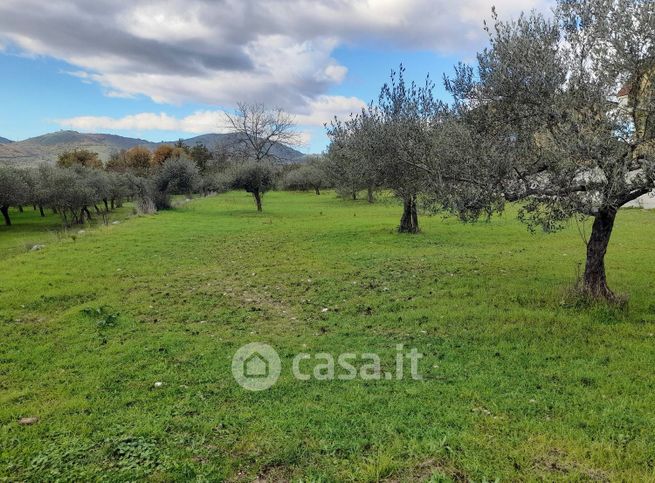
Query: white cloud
{"type": "Point", "coordinates": [198, 122]}
{"type": "Point", "coordinates": [323, 109]}
{"type": "Point", "coordinates": [318, 112]}
{"type": "Point", "coordinates": [221, 51]}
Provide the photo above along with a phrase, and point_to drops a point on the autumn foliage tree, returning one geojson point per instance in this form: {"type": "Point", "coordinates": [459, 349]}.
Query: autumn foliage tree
{"type": "Point", "coordinates": [139, 160]}
{"type": "Point", "coordinates": [165, 152]}
{"type": "Point", "coordinates": [79, 157]}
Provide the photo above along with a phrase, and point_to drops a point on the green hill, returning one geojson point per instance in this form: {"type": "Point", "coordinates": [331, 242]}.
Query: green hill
{"type": "Point", "coordinates": [48, 147]}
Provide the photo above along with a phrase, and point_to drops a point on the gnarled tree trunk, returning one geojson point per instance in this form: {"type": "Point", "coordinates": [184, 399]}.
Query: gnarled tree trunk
{"type": "Point", "coordinates": [317, 189]}
{"type": "Point", "coordinates": [5, 214]}
{"type": "Point", "coordinates": [595, 280]}
{"type": "Point", "coordinates": [369, 195]}
{"type": "Point", "coordinates": [258, 199]}
{"type": "Point", "coordinates": [409, 220]}
{"type": "Point", "coordinates": [85, 211]}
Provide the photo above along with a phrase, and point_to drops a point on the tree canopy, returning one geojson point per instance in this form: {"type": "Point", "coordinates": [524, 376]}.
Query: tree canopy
{"type": "Point", "coordinates": [547, 126]}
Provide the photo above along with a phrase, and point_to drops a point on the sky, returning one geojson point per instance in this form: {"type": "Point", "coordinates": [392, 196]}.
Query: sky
{"type": "Point", "coordinates": [168, 69]}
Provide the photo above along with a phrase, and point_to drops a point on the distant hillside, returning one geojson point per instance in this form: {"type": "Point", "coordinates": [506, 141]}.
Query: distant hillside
{"type": "Point", "coordinates": [5, 140]}
{"type": "Point", "coordinates": [48, 147]}
{"type": "Point", "coordinates": [212, 141]}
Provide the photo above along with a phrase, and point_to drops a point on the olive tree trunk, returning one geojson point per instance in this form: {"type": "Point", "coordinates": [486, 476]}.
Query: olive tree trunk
{"type": "Point", "coordinates": [258, 199]}
{"type": "Point", "coordinates": [5, 214]}
{"type": "Point", "coordinates": [369, 195]}
{"type": "Point", "coordinates": [409, 220]}
{"type": "Point", "coordinates": [595, 280]}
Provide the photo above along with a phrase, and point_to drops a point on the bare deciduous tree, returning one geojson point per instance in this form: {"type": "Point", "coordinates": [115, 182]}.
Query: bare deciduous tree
{"type": "Point", "coordinates": [261, 134]}
{"type": "Point", "coordinates": [260, 130]}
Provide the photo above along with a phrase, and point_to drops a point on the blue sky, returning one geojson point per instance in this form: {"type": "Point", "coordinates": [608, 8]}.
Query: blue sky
{"type": "Point", "coordinates": [164, 69]}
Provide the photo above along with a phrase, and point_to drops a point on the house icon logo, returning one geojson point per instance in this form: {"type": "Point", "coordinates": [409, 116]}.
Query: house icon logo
{"type": "Point", "coordinates": [256, 366]}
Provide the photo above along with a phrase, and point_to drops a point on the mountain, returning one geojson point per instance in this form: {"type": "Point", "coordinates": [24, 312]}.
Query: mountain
{"type": "Point", "coordinates": [5, 140]}
{"type": "Point", "coordinates": [213, 141]}
{"type": "Point", "coordinates": [48, 147]}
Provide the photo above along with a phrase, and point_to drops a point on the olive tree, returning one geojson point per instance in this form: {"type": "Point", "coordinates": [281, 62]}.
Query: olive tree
{"type": "Point", "coordinates": [142, 191]}
{"type": "Point", "coordinates": [254, 177]}
{"type": "Point", "coordinates": [31, 178]}
{"type": "Point", "coordinates": [98, 182]}
{"type": "Point", "coordinates": [178, 175]}
{"type": "Point", "coordinates": [408, 115]}
{"type": "Point", "coordinates": [13, 191]}
{"type": "Point", "coordinates": [66, 191]}
{"type": "Point", "coordinates": [119, 188]}
{"type": "Point", "coordinates": [543, 102]}
{"type": "Point", "coordinates": [392, 141]}
{"type": "Point", "coordinates": [353, 159]}
{"type": "Point", "coordinates": [367, 145]}
{"type": "Point", "coordinates": [343, 164]}
{"type": "Point", "coordinates": [305, 177]}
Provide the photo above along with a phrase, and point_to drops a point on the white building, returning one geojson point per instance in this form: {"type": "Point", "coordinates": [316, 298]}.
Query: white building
{"type": "Point", "coordinates": [647, 201]}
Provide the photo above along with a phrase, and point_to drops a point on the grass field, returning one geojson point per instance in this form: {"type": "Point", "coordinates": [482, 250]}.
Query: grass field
{"type": "Point", "coordinates": [519, 382]}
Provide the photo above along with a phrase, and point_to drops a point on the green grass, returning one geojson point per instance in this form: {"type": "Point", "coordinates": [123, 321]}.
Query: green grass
{"type": "Point", "coordinates": [519, 383]}
{"type": "Point", "coordinates": [30, 228]}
